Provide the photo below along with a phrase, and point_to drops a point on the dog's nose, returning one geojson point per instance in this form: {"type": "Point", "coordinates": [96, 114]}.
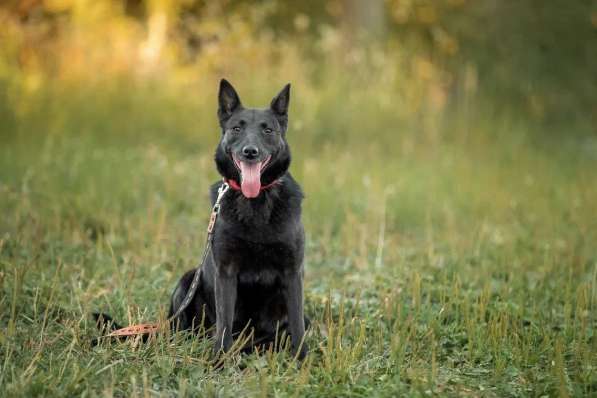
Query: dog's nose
{"type": "Point", "coordinates": [250, 151]}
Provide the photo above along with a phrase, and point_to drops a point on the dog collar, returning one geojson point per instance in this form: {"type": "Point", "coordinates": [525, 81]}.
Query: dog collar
{"type": "Point", "coordinates": [236, 186]}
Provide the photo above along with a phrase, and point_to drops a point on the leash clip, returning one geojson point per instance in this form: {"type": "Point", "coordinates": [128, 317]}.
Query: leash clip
{"type": "Point", "coordinates": [221, 191]}
{"type": "Point", "coordinates": [216, 209]}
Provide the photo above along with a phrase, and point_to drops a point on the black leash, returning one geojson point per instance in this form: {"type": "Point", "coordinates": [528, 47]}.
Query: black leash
{"type": "Point", "coordinates": [145, 328]}
{"type": "Point", "coordinates": [215, 211]}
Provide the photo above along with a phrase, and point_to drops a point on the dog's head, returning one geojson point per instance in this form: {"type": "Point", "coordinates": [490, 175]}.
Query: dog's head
{"type": "Point", "coordinates": [253, 149]}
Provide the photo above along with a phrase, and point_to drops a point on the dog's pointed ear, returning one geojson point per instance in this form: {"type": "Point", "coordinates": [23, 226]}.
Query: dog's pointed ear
{"type": "Point", "coordinates": [280, 102]}
{"type": "Point", "coordinates": [228, 100]}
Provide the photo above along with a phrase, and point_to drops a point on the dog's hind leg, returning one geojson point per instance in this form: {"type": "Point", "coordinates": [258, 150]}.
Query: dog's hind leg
{"type": "Point", "coordinates": [197, 313]}
{"type": "Point", "coordinates": [307, 323]}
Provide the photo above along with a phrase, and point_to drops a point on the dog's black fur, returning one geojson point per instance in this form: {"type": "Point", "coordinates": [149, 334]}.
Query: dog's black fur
{"type": "Point", "coordinates": [256, 281]}
{"type": "Point", "coordinates": [258, 244]}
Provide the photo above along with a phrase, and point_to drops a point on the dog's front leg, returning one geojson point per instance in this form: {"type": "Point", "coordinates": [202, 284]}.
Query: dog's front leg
{"type": "Point", "coordinates": [225, 293]}
{"type": "Point", "coordinates": [296, 319]}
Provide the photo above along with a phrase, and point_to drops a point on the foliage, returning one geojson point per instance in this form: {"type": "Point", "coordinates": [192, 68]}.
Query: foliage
{"type": "Point", "coordinates": [450, 224]}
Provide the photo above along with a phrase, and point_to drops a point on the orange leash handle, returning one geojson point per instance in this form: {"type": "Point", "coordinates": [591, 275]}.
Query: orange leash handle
{"type": "Point", "coordinates": [134, 330]}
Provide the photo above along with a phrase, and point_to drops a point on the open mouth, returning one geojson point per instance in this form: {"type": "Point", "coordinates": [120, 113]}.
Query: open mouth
{"type": "Point", "coordinates": [250, 175]}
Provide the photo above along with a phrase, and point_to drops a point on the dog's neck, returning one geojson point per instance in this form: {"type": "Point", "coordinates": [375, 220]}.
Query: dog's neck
{"type": "Point", "coordinates": [282, 198]}
{"type": "Point", "coordinates": [236, 186]}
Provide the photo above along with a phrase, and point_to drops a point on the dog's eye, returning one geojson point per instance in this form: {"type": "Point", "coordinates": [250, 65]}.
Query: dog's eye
{"type": "Point", "coordinates": [236, 129]}
{"type": "Point", "coordinates": [268, 130]}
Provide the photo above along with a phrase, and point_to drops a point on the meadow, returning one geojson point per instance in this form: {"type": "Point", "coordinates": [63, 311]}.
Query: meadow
{"type": "Point", "coordinates": [433, 267]}
{"type": "Point", "coordinates": [451, 242]}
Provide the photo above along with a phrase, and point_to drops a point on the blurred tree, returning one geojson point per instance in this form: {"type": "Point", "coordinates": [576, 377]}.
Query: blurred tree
{"type": "Point", "coordinates": [365, 18]}
{"type": "Point", "coordinates": [534, 55]}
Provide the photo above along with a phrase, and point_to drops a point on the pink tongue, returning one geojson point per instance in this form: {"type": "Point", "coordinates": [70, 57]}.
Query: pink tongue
{"type": "Point", "coordinates": [250, 179]}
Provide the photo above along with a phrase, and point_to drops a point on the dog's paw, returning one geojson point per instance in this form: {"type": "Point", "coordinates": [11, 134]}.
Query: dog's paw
{"type": "Point", "coordinates": [301, 353]}
{"type": "Point", "coordinates": [221, 347]}
{"type": "Point", "coordinates": [216, 350]}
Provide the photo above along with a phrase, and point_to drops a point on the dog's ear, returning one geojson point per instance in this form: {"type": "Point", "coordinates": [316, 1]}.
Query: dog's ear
{"type": "Point", "coordinates": [279, 106]}
{"type": "Point", "coordinates": [228, 100]}
{"type": "Point", "coordinates": [280, 102]}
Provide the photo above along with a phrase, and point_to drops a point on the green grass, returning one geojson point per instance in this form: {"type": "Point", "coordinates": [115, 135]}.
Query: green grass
{"type": "Point", "coordinates": [444, 257]}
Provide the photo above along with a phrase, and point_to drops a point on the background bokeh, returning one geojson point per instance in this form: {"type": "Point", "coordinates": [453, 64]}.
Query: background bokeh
{"type": "Point", "coordinates": [389, 96]}
{"type": "Point", "coordinates": [447, 150]}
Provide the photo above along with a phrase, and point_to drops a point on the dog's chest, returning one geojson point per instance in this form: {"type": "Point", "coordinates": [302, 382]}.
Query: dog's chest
{"type": "Point", "coordinates": [260, 246]}
{"type": "Point", "coordinates": [264, 263]}
{"type": "Point", "coordinates": [265, 276]}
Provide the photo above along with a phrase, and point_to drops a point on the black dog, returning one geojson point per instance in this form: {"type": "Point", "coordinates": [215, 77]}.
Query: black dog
{"type": "Point", "coordinates": [258, 242]}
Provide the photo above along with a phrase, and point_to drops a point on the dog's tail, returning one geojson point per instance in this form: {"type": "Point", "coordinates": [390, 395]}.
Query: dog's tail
{"type": "Point", "coordinates": [104, 322]}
